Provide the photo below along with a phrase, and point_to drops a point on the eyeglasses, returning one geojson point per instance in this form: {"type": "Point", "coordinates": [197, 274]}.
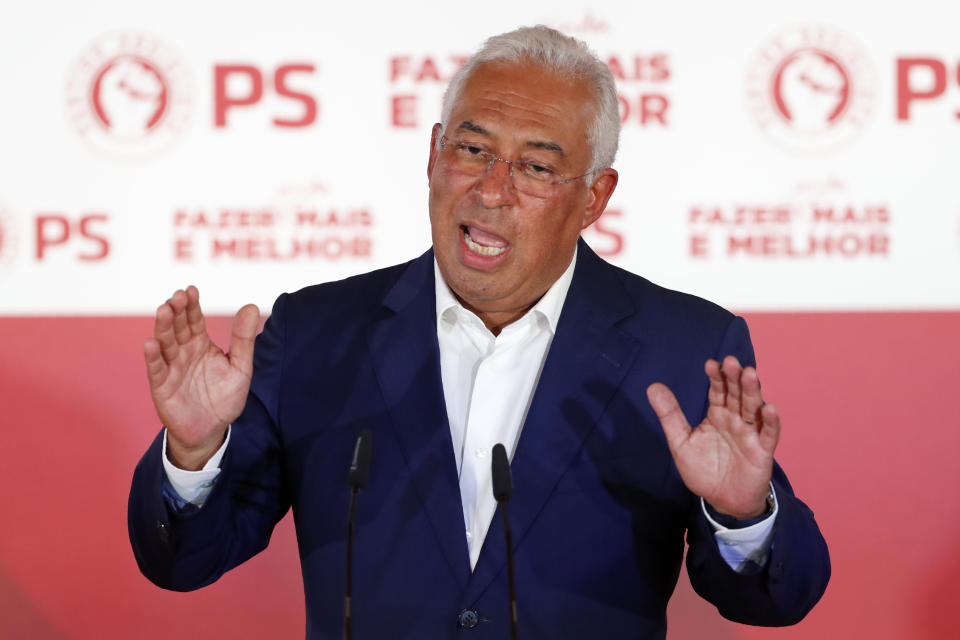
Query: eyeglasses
{"type": "Point", "coordinates": [529, 176]}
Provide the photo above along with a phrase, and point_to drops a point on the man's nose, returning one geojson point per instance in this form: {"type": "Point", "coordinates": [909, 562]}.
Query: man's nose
{"type": "Point", "coordinates": [495, 184]}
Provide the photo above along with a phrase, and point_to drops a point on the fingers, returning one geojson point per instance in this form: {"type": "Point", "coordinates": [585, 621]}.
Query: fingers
{"type": "Point", "coordinates": [242, 335]}
{"type": "Point", "coordinates": [731, 374]}
{"type": "Point", "coordinates": [194, 314]}
{"type": "Point", "coordinates": [735, 389]}
{"type": "Point", "coordinates": [163, 332]}
{"type": "Point", "coordinates": [751, 399]}
{"type": "Point", "coordinates": [177, 321]}
{"type": "Point", "coordinates": [178, 303]}
{"type": "Point", "coordinates": [717, 395]}
{"type": "Point", "coordinates": [769, 428]}
{"type": "Point", "coordinates": [674, 423]}
{"type": "Point", "coordinates": [156, 365]}
{"type": "Point", "coordinates": [180, 320]}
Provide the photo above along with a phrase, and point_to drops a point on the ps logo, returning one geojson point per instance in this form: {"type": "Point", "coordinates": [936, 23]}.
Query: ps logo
{"type": "Point", "coordinates": [241, 85]}
{"type": "Point", "coordinates": [128, 94]}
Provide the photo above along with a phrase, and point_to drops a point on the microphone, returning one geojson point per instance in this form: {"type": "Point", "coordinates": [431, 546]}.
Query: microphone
{"type": "Point", "coordinates": [360, 465]}
{"type": "Point", "coordinates": [356, 480]}
{"type": "Point", "coordinates": [502, 492]}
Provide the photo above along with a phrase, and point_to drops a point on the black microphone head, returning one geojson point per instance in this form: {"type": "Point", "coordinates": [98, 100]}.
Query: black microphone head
{"type": "Point", "coordinates": [502, 479]}
{"type": "Point", "coordinates": [360, 465]}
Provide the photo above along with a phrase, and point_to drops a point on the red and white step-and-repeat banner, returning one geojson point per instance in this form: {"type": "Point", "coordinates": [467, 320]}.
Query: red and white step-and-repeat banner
{"type": "Point", "coordinates": [795, 162]}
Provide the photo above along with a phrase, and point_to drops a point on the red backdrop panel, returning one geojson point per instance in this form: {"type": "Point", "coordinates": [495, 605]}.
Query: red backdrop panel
{"type": "Point", "coordinates": [871, 439]}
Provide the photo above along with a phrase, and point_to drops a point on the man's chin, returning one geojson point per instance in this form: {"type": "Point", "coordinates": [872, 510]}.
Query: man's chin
{"type": "Point", "coordinates": [475, 289]}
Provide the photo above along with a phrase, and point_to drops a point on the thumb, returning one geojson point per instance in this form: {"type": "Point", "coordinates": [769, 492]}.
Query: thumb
{"type": "Point", "coordinates": [674, 423]}
{"type": "Point", "coordinates": [242, 336]}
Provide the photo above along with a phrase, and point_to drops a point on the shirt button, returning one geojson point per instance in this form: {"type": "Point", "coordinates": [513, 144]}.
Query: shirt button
{"type": "Point", "coordinates": [469, 536]}
{"type": "Point", "coordinates": [468, 618]}
{"type": "Point", "coordinates": [481, 453]}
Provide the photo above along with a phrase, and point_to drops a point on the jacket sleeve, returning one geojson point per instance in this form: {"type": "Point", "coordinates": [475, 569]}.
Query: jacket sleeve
{"type": "Point", "coordinates": [798, 568]}
{"type": "Point", "coordinates": [188, 549]}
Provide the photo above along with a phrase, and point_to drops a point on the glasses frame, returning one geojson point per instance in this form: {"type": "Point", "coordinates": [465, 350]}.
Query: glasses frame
{"type": "Point", "coordinates": [493, 159]}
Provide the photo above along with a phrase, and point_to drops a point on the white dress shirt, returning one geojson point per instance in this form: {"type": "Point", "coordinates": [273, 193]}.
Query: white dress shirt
{"type": "Point", "coordinates": [488, 383]}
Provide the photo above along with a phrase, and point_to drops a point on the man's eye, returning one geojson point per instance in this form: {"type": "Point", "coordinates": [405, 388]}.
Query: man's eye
{"type": "Point", "coordinates": [538, 170]}
{"type": "Point", "coordinates": [470, 150]}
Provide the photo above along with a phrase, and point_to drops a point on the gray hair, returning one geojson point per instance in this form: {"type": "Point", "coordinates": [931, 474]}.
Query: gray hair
{"type": "Point", "coordinates": [559, 54]}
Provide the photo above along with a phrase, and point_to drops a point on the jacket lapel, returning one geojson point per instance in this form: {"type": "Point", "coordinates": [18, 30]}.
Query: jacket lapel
{"type": "Point", "coordinates": [403, 346]}
{"type": "Point", "coordinates": [588, 358]}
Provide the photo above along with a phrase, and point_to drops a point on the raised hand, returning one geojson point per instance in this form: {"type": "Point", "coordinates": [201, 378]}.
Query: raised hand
{"type": "Point", "coordinates": [728, 459]}
{"type": "Point", "coordinates": [197, 389]}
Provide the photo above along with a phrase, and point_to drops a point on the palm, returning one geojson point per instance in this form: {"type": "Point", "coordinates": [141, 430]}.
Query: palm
{"type": "Point", "coordinates": [728, 459]}
{"type": "Point", "coordinates": [201, 388]}
{"type": "Point", "coordinates": [197, 389]}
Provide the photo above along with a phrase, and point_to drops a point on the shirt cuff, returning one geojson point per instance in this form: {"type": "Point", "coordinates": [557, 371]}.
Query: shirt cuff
{"type": "Point", "coordinates": [194, 486]}
{"type": "Point", "coordinates": [748, 547]}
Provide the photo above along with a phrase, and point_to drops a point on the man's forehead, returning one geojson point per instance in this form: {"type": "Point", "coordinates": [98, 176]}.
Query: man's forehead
{"type": "Point", "coordinates": [524, 80]}
{"type": "Point", "coordinates": [551, 110]}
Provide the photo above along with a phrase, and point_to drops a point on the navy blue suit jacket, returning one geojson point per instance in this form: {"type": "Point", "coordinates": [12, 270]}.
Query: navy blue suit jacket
{"type": "Point", "coordinates": [599, 511]}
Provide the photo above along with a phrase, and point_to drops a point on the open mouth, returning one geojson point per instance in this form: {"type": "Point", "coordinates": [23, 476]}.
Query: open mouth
{"type": "Point", "coordinates": [483, 242]}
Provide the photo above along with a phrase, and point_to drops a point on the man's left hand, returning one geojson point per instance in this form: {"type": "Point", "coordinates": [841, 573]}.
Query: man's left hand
{"type": "Point", "coordinates": [728, 459]}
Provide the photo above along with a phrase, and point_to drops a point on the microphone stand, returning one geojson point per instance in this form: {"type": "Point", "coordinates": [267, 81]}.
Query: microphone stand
{"type": "Point", "coordinates": [357, 479]}
{"type": "Point", "coordinates": [346, 605]}
{"type": "Point", "coordinates": [508, 534]}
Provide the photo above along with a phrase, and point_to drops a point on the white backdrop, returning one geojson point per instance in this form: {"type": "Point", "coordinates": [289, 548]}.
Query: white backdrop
{"type": "Point", "coordinates": [763, 163]}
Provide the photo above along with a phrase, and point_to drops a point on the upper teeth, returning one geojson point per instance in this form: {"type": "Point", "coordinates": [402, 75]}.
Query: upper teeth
{"type": "Point", "coordinates": [481, 249]}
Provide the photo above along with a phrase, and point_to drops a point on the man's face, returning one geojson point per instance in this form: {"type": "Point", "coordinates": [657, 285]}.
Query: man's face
{"type": "Point", "coordinates": [500, 249]}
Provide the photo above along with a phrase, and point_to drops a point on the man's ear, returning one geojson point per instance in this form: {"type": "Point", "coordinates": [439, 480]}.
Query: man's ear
{"type": "Point", "coordinates": [434, 149]}
{"type": "Point", "coordinates": [600, 191]}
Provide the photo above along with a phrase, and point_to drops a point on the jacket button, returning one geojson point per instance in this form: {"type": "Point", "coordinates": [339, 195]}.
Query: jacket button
{"type": "Point", "coordinates": [163, 531]}
{"type": "Point", "coordinates": [776, 571]}
{"type": "Point", "coordinates": [468, 618]}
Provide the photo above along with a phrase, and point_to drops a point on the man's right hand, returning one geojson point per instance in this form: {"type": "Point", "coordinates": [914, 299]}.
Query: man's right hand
{"type": "Point", "coordinates": [198, 389]}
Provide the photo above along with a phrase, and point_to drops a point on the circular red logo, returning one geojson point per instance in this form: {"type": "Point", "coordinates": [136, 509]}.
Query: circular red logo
{"type": "Point", "coordinates": [810, 88]}
{"type": "Point", "coordinates": [128, 94]}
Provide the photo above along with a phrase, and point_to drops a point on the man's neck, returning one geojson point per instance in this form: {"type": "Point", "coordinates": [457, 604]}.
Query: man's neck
{"type": "Point", "coordinates": [495, 321]}
{"type": "Point", "coordinates": [550, 302]}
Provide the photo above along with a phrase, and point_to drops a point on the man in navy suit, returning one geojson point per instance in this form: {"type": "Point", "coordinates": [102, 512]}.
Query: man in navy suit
{"type": "Point", "coordinates": [510, 330]}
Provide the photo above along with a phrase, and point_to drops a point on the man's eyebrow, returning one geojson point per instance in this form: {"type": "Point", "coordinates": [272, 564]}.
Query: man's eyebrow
{"type": "Point", "coordinates": [466, 125]}
{"type": "Point", "coordinates": [475, 128]}
{"type": "Point", "coordinates": [546, 146]}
